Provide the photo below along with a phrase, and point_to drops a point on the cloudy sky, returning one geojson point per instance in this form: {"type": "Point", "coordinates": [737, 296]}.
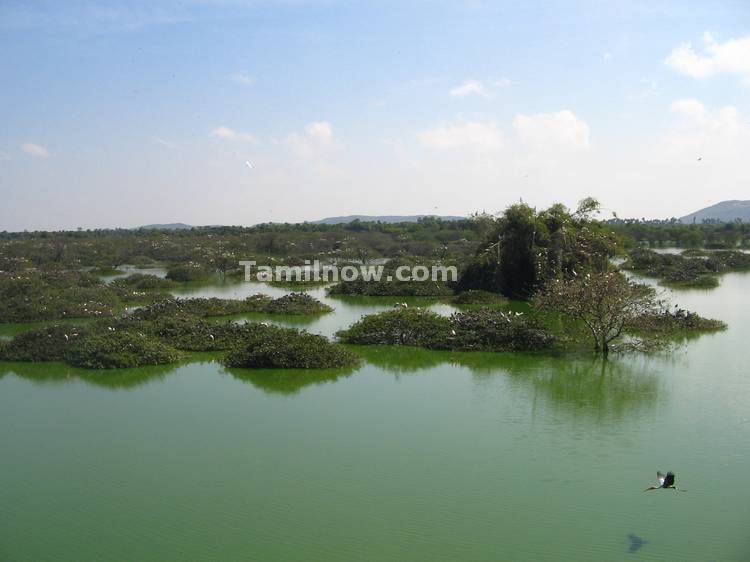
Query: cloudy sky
{"type": "Point", "coordinates": [128, 113]}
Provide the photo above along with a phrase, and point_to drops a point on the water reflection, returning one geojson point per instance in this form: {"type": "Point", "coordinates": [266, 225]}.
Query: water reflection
{"type": "Point", "coordinates": [585, 386]}
{"type": "Point", "coordinates": [288, 381]}
{"type": "Point", "coordinates": [578, 384]}
{"type": "Point", "coordinates": [115, 379]}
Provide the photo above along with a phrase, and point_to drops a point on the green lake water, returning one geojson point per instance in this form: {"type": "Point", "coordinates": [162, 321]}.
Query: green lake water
{"type": "Point", "coordinates": [415, 455]}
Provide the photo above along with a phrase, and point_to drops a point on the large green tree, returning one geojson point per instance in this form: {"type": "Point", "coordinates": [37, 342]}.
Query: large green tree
{"type": "Point", "coordinates": [524, 248]}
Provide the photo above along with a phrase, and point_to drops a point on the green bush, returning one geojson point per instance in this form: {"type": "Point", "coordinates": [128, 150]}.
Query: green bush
{"type": "Point", "coordinates": [143, 281]}
{"type": "Point", "coordinates": [678, 270]}
{"type": "Point", "coordinates": [403, 326]}
{"type": "Point", "coordinates": [189, 333]}
{"type": "Point", "coordinates": [495, 330]}
{"type": "Point", "coordinates": [677, 321]}
{"type": "Point", "coordinates": [189, 272]}
{"type": "Point", "coordinates": [44, 344]}
{"type": "Point", "coordinates": [296, 303]}
{"type": "Point", "coordinates": [199, 307]}
{"type": "Point", "coordinates": [477, 330]}
{"type": "Point", "coordinates": [384, 288]}
{"type": "Point", "coordinates": [32, 296]}
{"type": "Point", "coordinates": [271, 347]}
{"type": "Point", "coordinates": [117, 349]}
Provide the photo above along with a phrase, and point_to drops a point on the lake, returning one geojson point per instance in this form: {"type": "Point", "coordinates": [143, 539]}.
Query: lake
{"type": "Point", "coordinates": [415, 455]}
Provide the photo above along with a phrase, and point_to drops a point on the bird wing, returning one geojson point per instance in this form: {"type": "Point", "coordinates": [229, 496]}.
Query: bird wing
{"type": "Point", "coordinates": [660, 478]}
{"type": "Point", "coordinates": [669, 479]}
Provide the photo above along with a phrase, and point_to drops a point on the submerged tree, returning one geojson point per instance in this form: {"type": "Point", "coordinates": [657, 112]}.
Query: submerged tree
{"type": "Point", "coordinates": [607, 303]}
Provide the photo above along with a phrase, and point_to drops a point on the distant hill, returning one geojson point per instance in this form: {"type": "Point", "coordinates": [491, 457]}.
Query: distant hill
{"type": "Point", "coordinates": [726, 211]}
{"type": "Point", "coordinates": [384, 218]}
{"type": "Point", "coordinates": [170, 226]}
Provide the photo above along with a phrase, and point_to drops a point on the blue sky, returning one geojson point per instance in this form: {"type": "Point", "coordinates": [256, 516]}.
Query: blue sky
{"type": "Point", "coordinates": [120, 114]}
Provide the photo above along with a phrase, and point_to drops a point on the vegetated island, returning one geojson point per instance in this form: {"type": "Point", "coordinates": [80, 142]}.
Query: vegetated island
{"type": "Point", "coordinates": [557, 260]}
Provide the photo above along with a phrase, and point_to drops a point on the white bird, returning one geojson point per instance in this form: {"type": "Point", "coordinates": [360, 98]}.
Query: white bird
{"type": "Point", "coordinates": [248, 164]}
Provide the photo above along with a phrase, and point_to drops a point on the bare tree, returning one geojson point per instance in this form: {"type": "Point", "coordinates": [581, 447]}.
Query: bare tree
{"type": "Point", "coordinates": [607, 303]}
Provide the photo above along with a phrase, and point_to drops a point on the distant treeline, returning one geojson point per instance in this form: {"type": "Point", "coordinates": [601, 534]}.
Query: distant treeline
{"type": "Point", "coordinates": [709, 235]}
{"type": "Point", "coordinates": [218, 246]}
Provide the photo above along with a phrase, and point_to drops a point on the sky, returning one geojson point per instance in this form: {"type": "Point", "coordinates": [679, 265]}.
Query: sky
{"type": "Point", "coordinates": [119, 114]}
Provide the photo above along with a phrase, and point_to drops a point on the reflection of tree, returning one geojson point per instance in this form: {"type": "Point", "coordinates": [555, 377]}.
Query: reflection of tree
{"type": "Point", "coordinates": [585, 385]}
{"type": "Point", "coordinates": [287, 381]}
{"type": "Point", "coordinates": [405, 359]}
{"type": "Point", "coordinates": [50, 373]}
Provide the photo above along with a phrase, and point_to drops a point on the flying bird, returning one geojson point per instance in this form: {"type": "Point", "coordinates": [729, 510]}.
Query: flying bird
{"type": "Point", "coordinates": [665, 481]}
{"type": "Point", "coordinates": [248, 164]}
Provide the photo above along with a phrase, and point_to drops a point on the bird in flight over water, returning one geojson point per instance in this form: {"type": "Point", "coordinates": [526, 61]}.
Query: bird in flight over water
{"type": "Point", "coordinates": [665, 481]}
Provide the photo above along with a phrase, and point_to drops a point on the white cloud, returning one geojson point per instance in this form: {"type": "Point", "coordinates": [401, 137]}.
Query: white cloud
{"type": "Point", "coordinates": [558, 129]}
{"type": "Point", "coordinates": [697, 128]}
{"type": "Point", "coordinates": [730, 57]}
{"type": "Point", "coordinates": [470, 88]}
{"type": "Point", "coordinates": [35, 150]}
{"type": "Point", "coordinates": [473, 87]}
{"type": "Point", "coordinates": [472, 135]}
{"type": "Point", "coordinates": [317, 138]}
{"type": "Point", "coordinates": [225, 133]}
{"type": "Point", "coordinates": [241, 77]}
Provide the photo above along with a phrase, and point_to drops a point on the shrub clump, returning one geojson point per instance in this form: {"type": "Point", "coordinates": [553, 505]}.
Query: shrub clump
{"type": "Point", "coordinates": [189, 333]}
{"type": "Point", "coordinates": [51, 343]}
{"type": "Point", "coordinates": [188, 272]}
{"type": "Point", "coordinates": [271, 347]}
{"type": "Point", "coordinates": [686, 270]}
{"type": "Point", "coordinates": [675, 322]}
{"type": "Point", "coordinates": [403, 326]}
{"type": "Point", "coordinates": [295, 303]}
{"type": "Point", "coordinates": [51, 295]}
{"type": "Point", "coordinates": [385, 288]}
{"type": "Point", "coordinates": [200, 307]}
{"type": "Point", "coordinates": [477, 330]}
{"type": "Point", "coordinates": [117, 349]}
{"type": "Point", "coordinates": [143, 282]}
{"type": "Point", "coordinates": [495, 330]}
